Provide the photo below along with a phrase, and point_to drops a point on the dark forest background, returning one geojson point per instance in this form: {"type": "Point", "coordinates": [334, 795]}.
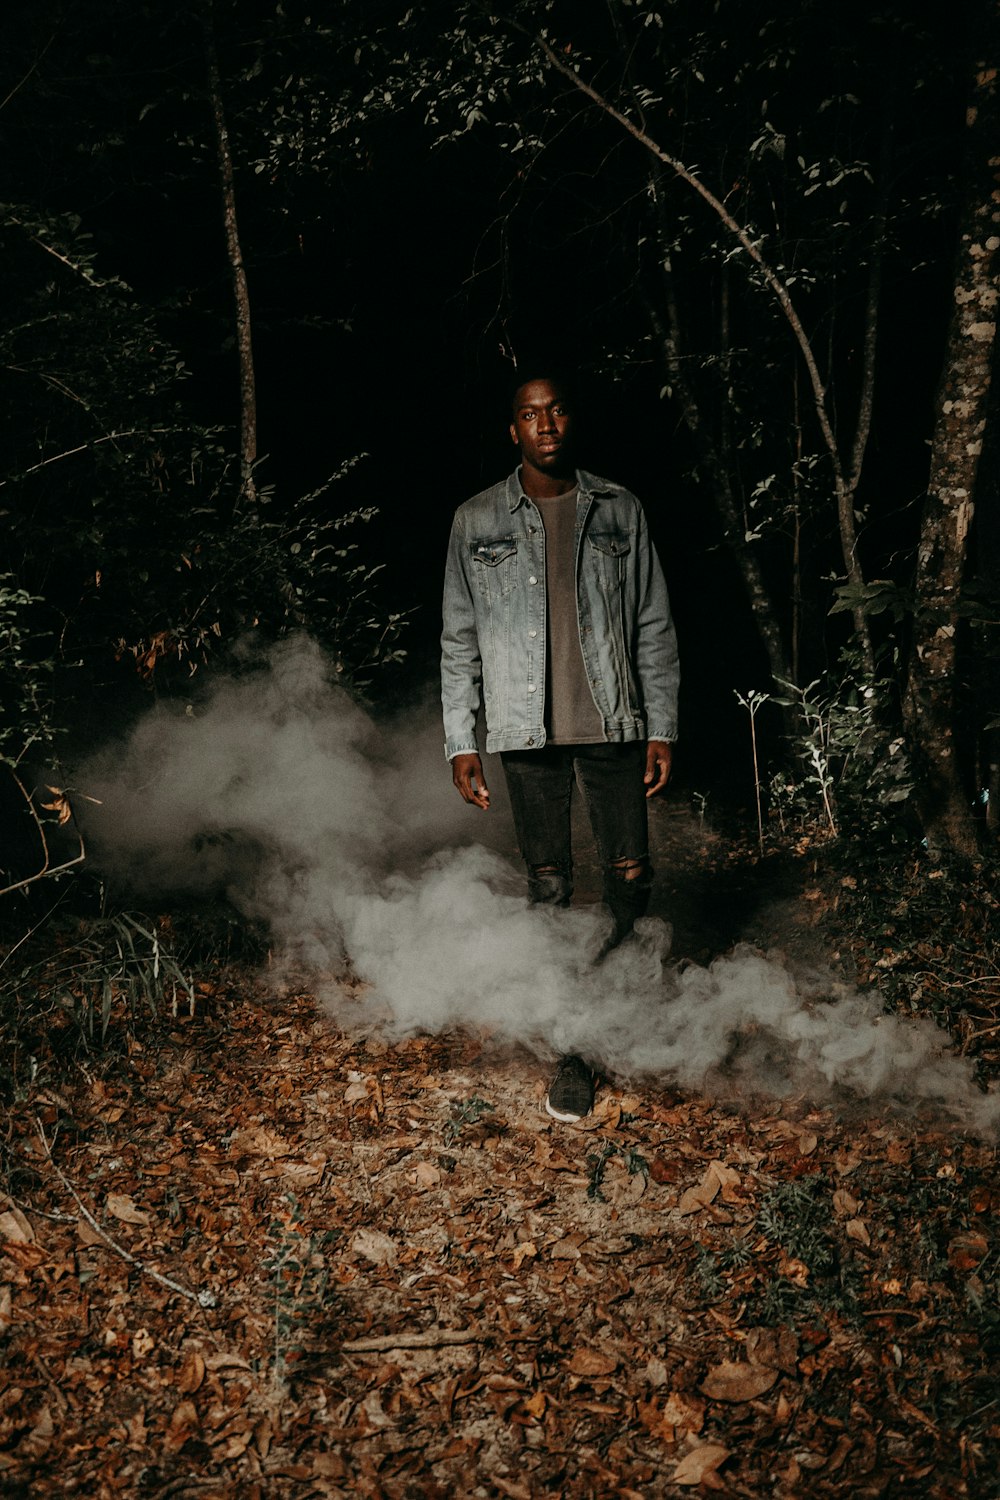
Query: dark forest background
{"type": "Point", "coordinates": [246, 244]}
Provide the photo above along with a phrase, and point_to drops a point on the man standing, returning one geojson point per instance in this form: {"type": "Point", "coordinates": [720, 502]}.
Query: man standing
{"type": "Point", "coordinates": [556, 611]}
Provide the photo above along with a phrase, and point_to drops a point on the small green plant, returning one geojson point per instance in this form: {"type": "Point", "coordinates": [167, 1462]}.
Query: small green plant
{"type": "Point", "coordinates": [597, 1161]}
{"type": "Point", "coordinates": [711, 1267]}
{"type": "Point", "coordinates": [860, 773]}
{"type": "Point", "coordinates": [26, 669]}
{"type": "Point", "coordinates": [119, 963]}
{"type": "Point", "coordinates": [753, 703]}
{"type": "Point", "coordinates": [815, 715]}
{"type": "Point", "coordinates": [123, 960]}
{"type": "Point", "coordinates": [296, 1269]}
{"type": "Point", "coordinates": [796, 1217]}
{"type": "Point", "coordinates": [708, 1272]}
{"type": "Point", "coordinates": [464, 1112]}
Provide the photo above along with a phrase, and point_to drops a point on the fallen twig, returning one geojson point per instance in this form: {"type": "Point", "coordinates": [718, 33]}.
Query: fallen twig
{"type": "Point", "coordinates": [204, 1298]}
{"type": "Point", "coordinates": [433, 1338]}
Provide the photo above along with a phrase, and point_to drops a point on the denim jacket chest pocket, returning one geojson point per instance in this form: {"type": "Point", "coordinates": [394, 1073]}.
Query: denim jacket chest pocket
{"type": "Point", "coordinates": [608, 550]}
{"type": "Point", "coordinates": [495, 564]}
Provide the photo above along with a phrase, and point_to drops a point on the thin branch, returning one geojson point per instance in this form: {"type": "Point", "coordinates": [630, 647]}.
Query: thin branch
{"type": "Point", "coordinates": [204, 1298]}
{"type": "Point", "coordinates": [32, 930]}
{"type": "Point", "coordinates": [237, 268]}
{"type": "Point", "coordinates": [52, 380]}
{"type": "Point", "coordinates": [109, 437]}
{"type": "Point", "coordinates": [32, 70]}
{"type": "Point", "coordinates": [770, 276]}
{"type": "Point", "coordinates": [866, 397]}
{"type": "Point", "coordinates": [47, 869]}
{"type": "Point", "coordinates": [844, 495]}
{"type": "Point", "coordinates": [434, 1338]}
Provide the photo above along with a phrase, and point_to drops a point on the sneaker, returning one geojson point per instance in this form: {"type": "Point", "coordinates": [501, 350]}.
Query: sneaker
{"type": "Point", "coordinates": [571, 1092]}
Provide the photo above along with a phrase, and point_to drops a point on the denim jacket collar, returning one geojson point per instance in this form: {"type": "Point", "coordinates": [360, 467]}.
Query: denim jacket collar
{"type": "Point", "coordinates": [516, 496]}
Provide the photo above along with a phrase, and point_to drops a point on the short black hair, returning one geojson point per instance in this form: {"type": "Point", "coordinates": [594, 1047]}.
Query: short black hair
{"type": "Point", "coordinates": [554, 374]}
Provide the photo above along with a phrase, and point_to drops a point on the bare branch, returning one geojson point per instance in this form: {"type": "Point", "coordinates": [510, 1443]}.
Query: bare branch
{"type": "Point", "coordinates": [434, 1338]}
{"type": "Point", "coordinates": [843, 492]}
{"type": "Point", "coordinates": [866, 397]}
{"type": "Point", "coordinates": [48, 869]}
{"type": "Point", "coordinates": [30, 73]}
{"type": "Point", "coordinates": [109, 437]}
{"type": "Point", "coordinates": [204, 1298]}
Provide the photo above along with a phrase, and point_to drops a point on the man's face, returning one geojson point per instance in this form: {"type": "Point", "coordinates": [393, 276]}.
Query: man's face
{"type": "Point", "coordinates": [543, 427]}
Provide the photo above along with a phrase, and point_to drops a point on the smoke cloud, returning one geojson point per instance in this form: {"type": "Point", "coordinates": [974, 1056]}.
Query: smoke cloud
{"type": "Point", "coordinates": [349, 841]}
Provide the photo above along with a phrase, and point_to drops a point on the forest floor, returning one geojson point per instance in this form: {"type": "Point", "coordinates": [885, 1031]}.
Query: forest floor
{"type": "Point", "coordinates": [256, 1255]}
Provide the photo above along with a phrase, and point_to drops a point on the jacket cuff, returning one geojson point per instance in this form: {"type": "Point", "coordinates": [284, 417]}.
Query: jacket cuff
{"type": "Point", "coordinates": [460, 747]}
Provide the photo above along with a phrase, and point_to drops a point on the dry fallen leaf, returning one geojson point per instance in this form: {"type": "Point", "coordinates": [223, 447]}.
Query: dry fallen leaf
{"type": "Point", "coordinates": [857, 1229]}
{"type": "Point", "coordinates": [773, 1349]}
{"type": "Point", "coordinates": [687, 1413]}
{"type": "Point", "coordinates": [225, 1359]}
{"type": "Point", "coordinates": [966, 1250]}
{"type": "Point", "coordinates": [183, 1425]}
{"type": "Point", "coordinates": [732, 1381]}
{"type": "Point", "coordinates": [260, 1141]}
{"type": "Point", "coordinates": [845, 1205]}
{"type": "Point", "coordinates": [192, 1374]}
{"type": "Point", "coordinates": [535, 1405]}
{"type": "Point", "coordinates": [375, 1246]}
{"type": "Point", "coordinates": [123, 1207]}
{"type": "Point", "coordinates": [15, 1229]}
{"type": "Point", "coordinates": [699, 1463]}
{"type": "Point", "coordinates": [87, 1234]}
{"type": "Point", "coordinates": [591, 1362]}
{"type": "Point", "coordinates": [510, 1488]}
{"type": "Point", "coordinates": [143, 1343]}
{"type": "Point", "coordinates": [717, 1176]}
{"type": "Point", "coordinates": [6, 1310]}
{"type": "Point", "coordinates": [425, 1175]}
{"type": "Point", "coordinates": [39, 1439]}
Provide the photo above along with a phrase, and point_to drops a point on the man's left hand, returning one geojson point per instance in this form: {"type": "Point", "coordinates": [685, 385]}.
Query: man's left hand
{"type": "Point", "coordinates": [658, 760]}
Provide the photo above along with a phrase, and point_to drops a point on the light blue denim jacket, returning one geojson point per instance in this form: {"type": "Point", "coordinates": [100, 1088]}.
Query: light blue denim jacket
{"type": "Point", "coordinates": [494, 638]}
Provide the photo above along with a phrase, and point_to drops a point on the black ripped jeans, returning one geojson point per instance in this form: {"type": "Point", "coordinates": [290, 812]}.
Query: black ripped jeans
{"type": "Point", "coordinates": [540, 783]}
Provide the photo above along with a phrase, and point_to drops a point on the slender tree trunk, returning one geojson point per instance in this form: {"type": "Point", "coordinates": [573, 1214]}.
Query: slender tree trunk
{"type": "Point", "coordinates": [958, 438]}
{"type": "Point", "coordinates": [714, 466]}
{"type": "Point", "coordinates": [237, 271]}
{"type": "Point", "coordinates": [843, 492]}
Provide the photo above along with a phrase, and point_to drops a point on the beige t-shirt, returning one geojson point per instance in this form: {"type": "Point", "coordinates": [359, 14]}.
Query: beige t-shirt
{"type": "Point", "coordinates": [571, 716]}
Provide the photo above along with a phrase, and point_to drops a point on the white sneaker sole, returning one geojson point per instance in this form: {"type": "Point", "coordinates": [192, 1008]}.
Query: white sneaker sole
{"type": "Point", "coordinates": [563, 1115]}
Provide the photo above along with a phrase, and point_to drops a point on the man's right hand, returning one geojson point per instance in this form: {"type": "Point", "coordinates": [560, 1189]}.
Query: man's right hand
{"type": "Point", "coordinates": [467, 774]}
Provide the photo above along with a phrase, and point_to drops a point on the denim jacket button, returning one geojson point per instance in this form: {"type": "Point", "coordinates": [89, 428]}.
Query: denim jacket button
{"type": "Point", "coordinates": [532, 579]}
{"type": "Point", "coordinates": [529, 742]}
{"type": "Point", "coordinates": [532, 688]}
{"type": "Point", "coordinates": [532, 634]}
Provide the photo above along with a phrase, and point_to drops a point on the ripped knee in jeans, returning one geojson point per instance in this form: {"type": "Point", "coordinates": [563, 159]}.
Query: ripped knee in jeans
{"type": "Point", "coordinates": [638, 871]}
{"type": "Point", "coordinates": [549, 885]}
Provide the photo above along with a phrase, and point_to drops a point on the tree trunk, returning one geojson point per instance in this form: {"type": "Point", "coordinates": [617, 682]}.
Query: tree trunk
{"type": "Point", "coordinates": [713, 465]}
{"type": "Point", "coordinates": [958, 437]}
{"type": "Point", "coordinates": [237, 272]}
{"type": "Point", "coordinates": [842, 488]}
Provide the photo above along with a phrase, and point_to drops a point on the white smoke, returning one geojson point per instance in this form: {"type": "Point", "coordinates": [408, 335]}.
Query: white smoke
{"type": "Point", "coordinates": [347, 839]}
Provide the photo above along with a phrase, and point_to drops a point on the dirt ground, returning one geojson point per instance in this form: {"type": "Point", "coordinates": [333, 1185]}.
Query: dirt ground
{"type": "Point", "coordinates": [259, 1256]}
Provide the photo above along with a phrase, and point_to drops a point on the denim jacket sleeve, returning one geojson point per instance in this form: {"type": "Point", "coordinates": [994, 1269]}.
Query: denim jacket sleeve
{"type": "Point", "coordinates": [656, 658]}
{"type": "Point", "coordinates": [461, 658]}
